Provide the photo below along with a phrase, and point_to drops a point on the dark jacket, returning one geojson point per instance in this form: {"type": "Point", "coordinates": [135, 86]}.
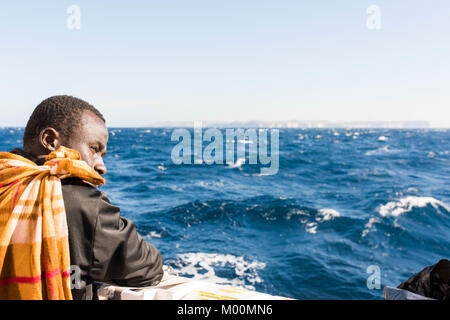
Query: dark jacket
{"type": "Point", "coordinates": [432, 282]}
{"type": "Point", "coordinates": [103, 245]}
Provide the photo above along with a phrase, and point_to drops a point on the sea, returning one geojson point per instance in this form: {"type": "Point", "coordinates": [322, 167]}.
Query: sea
{"type": "Point", "coordinates": [348, 212]}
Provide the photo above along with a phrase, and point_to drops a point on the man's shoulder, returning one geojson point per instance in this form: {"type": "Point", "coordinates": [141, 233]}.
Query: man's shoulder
{"type": "Point", "coordinates": [80, 187]}
{"type": "Point", "coordinates": [78, 194]}
{"type": "Point", "coordinates": [84, 203]}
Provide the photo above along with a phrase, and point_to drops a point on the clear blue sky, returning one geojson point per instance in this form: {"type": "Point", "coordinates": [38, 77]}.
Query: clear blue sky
{"type": "Point", "coordinates": [178, 60]}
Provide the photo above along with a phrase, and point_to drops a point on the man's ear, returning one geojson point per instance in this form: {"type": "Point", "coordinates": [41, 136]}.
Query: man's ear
{"type": "Point", "coordinates": [50, 139]}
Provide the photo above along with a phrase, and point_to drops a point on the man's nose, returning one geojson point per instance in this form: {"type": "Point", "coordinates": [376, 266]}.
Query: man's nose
{"type": "Point", "coordinates": [100, 167]}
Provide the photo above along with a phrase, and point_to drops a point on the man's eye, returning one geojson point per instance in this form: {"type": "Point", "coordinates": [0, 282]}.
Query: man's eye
{"type": "Point", "coordinates": [94, 148]}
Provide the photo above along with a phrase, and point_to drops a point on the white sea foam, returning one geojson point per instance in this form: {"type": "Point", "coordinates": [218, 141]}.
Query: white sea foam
{"type": "Point", "coordinates": [382, 138]}
{"type": "Point", "coordinates": [238, 163]}
{"type": "Point", "coordinates": [406, 204]}
{"type": "Point", "coordinates": [369, 226]}
{"type": "Point", "coordinates": [311, 227]}
{"type": "Point", "coordinates": [176, 188]}
{"type": "Point", "coordinates": [381, 150]}
{"type": "Point", "coordinates": [162, 168]}
{"type": "Point", "coordinates": [293, 212]}
{"type": "Point", "coordinates": [327, 214]}
{"type": "Point", "coordinates": [200, 266]}
{"type": "Point", "coordinates": [257, 174]}
{"type": "Point", "coordinates": [153, 234]}
{"type": "Point", "coordinates": [210, 184]}
{"type": "Point", "coordinates": [396, 208]}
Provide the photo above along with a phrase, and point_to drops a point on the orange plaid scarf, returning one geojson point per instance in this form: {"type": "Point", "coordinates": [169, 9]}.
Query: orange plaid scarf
{"type": "Point", "coordinates": [34, 246]}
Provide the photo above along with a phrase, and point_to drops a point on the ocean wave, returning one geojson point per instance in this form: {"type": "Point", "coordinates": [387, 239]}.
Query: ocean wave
{"type": "Point", "coordinates": [397, 208]}
{"type": "Point", "coordinates": [379, 151]}
{"type": "Point", "coordinates": [250, 211]}
{"type": "Point", "coordinates": [406, 204]}
{"type": "Point", "coordinates": [321, 216]}
{"type": "Point", "coordinates": [225, 269]}
{"type": "Point", "coordinates": [211, 184]}
{"type": "Point", "coordinates": [327, 214]}
{"type": "Point", "coordinates": [368, 227]}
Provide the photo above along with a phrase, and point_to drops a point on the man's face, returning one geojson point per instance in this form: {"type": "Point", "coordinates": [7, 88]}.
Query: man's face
{"type": "Point", "coordinates": [90, 140]}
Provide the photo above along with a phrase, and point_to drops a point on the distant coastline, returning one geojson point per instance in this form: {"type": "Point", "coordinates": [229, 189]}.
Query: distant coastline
{"type": "Point", "coordinates": [284, 124]}
{"type": "Point", "coordinates": [300, 124]}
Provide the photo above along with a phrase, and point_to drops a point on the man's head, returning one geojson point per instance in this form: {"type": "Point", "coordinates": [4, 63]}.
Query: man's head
{"type": "Point", "coordinates": [70, 122]}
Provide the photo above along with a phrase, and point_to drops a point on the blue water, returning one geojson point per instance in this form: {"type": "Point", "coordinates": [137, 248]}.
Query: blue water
{"type": "Point", "coordinates": [342, 200]}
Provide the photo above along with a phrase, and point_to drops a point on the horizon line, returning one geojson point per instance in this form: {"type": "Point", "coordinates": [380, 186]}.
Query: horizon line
{"type": "Point", "coordinates": [289, 124]}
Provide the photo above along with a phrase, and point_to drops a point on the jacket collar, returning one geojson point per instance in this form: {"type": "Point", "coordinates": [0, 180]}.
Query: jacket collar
{"type": "Point", "coordinates": [28, 156]}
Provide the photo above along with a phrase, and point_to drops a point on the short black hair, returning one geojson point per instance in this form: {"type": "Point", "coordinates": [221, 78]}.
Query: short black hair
{"type": "Point", "coordinates": [62, 113]}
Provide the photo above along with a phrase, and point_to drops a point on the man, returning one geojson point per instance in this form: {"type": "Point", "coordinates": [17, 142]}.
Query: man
{"type": "Point", "coordinates": [103, 245]}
